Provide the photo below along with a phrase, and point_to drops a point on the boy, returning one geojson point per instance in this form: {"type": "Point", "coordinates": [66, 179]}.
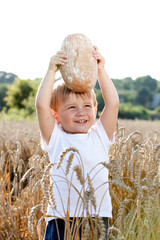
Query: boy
{"type": "Point", "coordinates": [67, 119]}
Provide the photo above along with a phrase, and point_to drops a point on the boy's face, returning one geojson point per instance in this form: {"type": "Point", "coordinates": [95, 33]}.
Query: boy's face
{"type": "Point", "coordinates": [76, 114]}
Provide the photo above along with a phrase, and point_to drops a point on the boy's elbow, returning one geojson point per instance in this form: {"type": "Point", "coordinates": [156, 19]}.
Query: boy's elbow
{"type": "Point", "coordinates": [115, 103]}
{"type": "Point", "coordinates": [39, 104]}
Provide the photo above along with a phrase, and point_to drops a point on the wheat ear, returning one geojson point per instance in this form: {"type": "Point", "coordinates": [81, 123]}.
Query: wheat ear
{"type": "Point", "coordinates": [91, 191]}
{"type": "Point", "coordinates": [62, 155]}
{"type": "Point", "coordinates": [31, 217]}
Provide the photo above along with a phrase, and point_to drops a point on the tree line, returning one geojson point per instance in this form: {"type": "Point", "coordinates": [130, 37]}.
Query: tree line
{"type": "Point", "coordinates": [139, 98]}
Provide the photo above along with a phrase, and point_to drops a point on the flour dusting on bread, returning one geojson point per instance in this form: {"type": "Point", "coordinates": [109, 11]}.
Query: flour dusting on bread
{"type": "Point", "coordinates": [80, 72]}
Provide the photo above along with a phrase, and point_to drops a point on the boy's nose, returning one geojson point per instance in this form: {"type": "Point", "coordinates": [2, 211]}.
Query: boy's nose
{"type": "Point", "coordinates": [80, 111]}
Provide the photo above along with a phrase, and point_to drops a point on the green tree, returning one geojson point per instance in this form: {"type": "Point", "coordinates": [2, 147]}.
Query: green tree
{"type": "Point", "coordinates": [99, 100]}
{"type": "Point", "coordinates": [128, 111]}
{"type": "Point", "coordinates": [157, 110]}
{"type": "Point", "coordinates": [127, 96]}
{"type": "Point", "coordinates": [144, 97]}
{"type": "Point", "coordinates": [17, 92]}
{"type": "Point", "coordinates": [118, 83]}
{"type": "Point", "coordinates": [127, 83]}
{"type": "Point", "coordinates": [147, 81]}
{"type": "Point", "coordinates": [3, 93]}
{"type": "Point", "coordinates": [29, 104]}
{"type": "Point", "coordinates": [158, 87]}
{"type": "Point", "coordinates": [97, 86]}
{"type": "Point", "coordinates": [146, 87]}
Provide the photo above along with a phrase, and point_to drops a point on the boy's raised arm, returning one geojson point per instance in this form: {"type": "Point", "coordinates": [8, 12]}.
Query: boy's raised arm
{"type": "Point", "coordinates": [44, 94]}
{"type": "Point", "coordinates": [110, 112]}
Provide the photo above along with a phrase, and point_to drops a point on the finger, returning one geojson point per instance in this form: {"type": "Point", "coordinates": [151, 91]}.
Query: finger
{"type": "Point", "coordinates": [58, 61]}
{"type": "Point", "coordinates": [61, 54]}
{"type": "Point", "coordinates": [95, 47]}
{"type": "Point", "coordinates": [58, 58]}
{"type": "Point", "coordinates": [61, 62]}
{"type": "Point", "coordinates": [98, 56]}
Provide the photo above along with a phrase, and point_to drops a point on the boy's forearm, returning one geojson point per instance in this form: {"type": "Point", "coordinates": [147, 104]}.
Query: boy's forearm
{"type": "Point", "coordinates": [108, 89]}
{"type": "Point", "coordinates": [44, 93]}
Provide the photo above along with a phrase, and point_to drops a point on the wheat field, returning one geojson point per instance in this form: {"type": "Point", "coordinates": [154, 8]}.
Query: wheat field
{"type": "Point", "coordinates": [134, 179]}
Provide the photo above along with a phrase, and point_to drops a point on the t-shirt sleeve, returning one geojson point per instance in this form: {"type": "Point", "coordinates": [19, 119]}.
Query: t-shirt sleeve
{"type": "Point", "coordinates": [48, 147]}
{"type": "Point", "coordinates": [103, 135]}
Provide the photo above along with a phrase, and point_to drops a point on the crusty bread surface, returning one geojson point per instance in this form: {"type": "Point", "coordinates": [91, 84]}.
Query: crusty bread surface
{"type": "Point", "coordinates": [80, 72]}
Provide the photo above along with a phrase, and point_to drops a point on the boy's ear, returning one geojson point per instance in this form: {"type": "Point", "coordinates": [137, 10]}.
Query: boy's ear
{"type": "Point", "coordinates": [54, 114]}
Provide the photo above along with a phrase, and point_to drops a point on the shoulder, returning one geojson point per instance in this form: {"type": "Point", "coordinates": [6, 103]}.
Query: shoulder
{"type": "Point", "coordinates": [99, 130]}
{"type": "Point", "coordinates": [55, 136]}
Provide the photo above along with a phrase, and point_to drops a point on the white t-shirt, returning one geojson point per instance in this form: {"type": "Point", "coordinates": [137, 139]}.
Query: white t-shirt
{"type": "Point", "coordinates": [67, 189]}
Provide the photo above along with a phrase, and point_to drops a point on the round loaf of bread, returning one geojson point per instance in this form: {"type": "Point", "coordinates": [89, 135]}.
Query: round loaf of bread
{"type": "Point", "coordinates": [80, 72]}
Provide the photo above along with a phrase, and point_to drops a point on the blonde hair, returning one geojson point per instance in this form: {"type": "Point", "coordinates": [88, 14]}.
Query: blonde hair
{"type": "Point", "coordinates": [61, 93]}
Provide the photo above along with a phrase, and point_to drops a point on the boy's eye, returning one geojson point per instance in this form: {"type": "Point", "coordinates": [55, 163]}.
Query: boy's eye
{"type": "Point", "coordinates": [87, 105]}
{"type": "Point", "coordinates": [71, 107]}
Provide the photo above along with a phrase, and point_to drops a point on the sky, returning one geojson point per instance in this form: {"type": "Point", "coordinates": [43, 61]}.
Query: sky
{"type": "Point", "coordinates": [127, 33]}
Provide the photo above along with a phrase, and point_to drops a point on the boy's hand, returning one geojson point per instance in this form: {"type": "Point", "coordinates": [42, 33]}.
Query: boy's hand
{"type": "Point", "coordinates": [99, 58]}
{"type": "Point", "coordinates": [59, 58]}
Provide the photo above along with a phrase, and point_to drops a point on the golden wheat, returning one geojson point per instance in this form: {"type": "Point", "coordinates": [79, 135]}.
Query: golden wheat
{"type": "Point", "coordinates": [134, 180]}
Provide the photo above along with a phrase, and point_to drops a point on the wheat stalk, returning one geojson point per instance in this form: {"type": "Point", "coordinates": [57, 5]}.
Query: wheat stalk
{"type": "Point", "coordinates": [134, 169]}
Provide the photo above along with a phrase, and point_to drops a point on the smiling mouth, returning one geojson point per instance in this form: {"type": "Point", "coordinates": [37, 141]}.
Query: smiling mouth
{"type": "Point", "coordinates": [81, 121]}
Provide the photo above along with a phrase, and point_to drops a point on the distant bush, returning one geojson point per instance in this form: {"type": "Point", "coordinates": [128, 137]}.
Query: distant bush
{"type": "Point", "coordinates": [128, 111]}
{"type": "Point", "coordinates": [14, 114]}
{"type": "Point", "coordinates": [17, 92]}
{"type": "Point", "coordinates": [3, 93]}
{"type": "Point", "coordinates": [100, 100]}
{"type": "Point", "coordinates": [157, 110]}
